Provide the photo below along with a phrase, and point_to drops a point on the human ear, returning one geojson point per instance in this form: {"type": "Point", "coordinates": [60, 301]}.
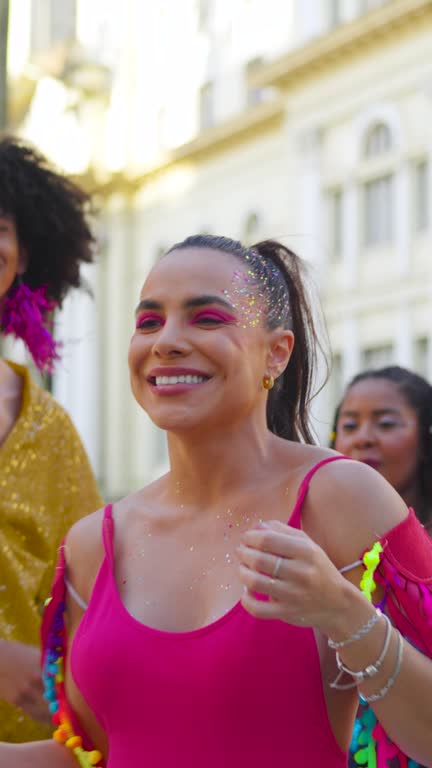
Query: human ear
{"type": "Point", "coordinates": [281, 345]}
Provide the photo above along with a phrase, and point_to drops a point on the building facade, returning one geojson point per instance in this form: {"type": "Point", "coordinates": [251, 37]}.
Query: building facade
{"type": "Point", "coordinates": [306, 120]}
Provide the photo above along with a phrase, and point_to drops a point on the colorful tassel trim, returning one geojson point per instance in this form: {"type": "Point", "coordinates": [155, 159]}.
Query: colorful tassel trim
{"type": "Point", "coordinates": [53, 678]}
{"type": "Point", "coordinates": [363, 745]}
{"type": "Point", "coordinates": [371, 561]}
{"type": "Point", "coordinates": [370, 745]}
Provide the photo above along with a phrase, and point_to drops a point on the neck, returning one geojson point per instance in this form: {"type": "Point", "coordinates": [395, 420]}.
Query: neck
{"type": "Point", "coordinates": [206, 468]}
{"type": "Point", "coordinates": [5, 372]}
{"type": "Point", "coordinates": [9, 380]}
{"type": "Point", "coordinates": [413, 498]}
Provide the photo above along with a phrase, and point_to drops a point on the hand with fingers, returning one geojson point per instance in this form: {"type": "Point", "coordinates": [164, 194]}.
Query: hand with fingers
{"type": "Point", "coordinates": [21, 679]}
{"type": "Point", "coordinates": [300, 583]}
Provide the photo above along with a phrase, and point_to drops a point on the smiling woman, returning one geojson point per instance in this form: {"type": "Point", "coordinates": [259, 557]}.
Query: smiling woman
{"type": "Point", "coordinates": [385, 420]}
{"type": "Point", "coordinates": [207, 619]}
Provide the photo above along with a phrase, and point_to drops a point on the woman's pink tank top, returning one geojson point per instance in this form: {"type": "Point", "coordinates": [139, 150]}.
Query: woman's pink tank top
{"type": "Point", "coordinates": [238, 692]}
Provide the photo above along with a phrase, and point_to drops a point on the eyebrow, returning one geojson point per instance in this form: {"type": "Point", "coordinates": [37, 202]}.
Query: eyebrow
{"type": "Point", "coordinates": [376, 412]}
{"type": "Point", "coordinates": [196, 301]}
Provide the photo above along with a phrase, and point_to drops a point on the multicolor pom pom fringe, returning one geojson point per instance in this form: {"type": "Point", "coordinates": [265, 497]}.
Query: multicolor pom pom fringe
{"type": "Point", "coordinates": [53, 678]}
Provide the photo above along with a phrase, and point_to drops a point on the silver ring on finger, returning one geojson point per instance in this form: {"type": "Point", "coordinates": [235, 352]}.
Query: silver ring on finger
{"type": "Point", "coordinates": [277, 567]}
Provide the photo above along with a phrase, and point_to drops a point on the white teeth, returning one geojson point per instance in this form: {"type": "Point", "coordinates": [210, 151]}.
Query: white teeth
{"type": "Point", "coordinates": [162, 380]}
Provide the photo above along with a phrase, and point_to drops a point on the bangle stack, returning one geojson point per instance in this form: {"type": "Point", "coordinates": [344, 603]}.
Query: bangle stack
{"type": "Point", "coordinates": [392, 679]}
{"type": "Point", "coordinates": [371, 669]}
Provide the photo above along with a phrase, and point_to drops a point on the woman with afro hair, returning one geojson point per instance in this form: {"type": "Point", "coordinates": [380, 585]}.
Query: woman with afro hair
{"type": "Point", "coordinates": [46, 482]}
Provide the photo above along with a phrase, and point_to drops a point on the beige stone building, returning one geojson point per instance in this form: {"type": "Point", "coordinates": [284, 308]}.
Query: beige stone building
{"type": "Point", "coordinates": [307, 120]}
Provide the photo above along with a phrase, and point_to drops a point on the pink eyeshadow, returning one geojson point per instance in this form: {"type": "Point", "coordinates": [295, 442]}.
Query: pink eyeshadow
{"type": "Point", "coordinates": [147, 316]}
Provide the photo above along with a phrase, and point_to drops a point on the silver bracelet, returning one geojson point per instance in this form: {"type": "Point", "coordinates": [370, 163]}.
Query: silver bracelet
{"type": "Point", "coordinates": [392, 679]}
{"type": "Point", "coordinates": [370, 671]}
{"type": "Point", "coordinates": [358, 634]}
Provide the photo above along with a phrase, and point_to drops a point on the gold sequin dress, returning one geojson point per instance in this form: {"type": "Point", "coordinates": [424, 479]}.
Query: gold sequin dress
{"type": "Point", "coordinates": [46, 484]}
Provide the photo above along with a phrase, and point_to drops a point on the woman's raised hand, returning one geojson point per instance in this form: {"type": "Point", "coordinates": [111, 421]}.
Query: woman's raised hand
{"type": "Point", "coordinates": [301, 584]}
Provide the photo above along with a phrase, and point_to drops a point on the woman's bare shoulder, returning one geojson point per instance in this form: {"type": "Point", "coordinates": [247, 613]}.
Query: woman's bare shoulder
{"type": "Point", "coordinates": [296, 460]}
{"type": "Point", "coordinates": [348, 507]}
{"type": "Point", "coordinates": [300, 456]}
{"type": "Point", "coordinates": [84, 547]}
{"type": "Point", "coordinates": [84, 537]}
{"type": "Point", "coordinates": [84, 552]}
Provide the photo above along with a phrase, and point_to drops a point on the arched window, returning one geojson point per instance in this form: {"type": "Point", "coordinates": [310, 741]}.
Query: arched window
{"type": "Point", "coordinates": [378, 189]}
{"type": "Point", "coordinates": [378, 140]}
{"type": "Point", "coordinates": [251, 227]}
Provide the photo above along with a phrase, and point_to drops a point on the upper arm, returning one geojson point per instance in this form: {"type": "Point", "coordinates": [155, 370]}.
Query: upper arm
{"type": "Point", "coordinates": [349, 507]}
{"type": "Point", "coordinates": [84, 553]}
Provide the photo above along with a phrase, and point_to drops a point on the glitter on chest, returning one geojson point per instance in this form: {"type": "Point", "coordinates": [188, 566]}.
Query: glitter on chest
{"type": "Point", "coordinates": [220, 564]}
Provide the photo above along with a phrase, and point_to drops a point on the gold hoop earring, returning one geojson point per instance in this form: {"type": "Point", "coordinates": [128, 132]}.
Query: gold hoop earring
{"type": "Point", "coordinates": [268, 382]}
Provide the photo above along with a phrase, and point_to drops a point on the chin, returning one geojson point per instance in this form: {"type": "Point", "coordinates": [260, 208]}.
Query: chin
{"type": "Point", "coordinates": [177, 426]}
{"type": "Point", "coordinates": [175, 422]}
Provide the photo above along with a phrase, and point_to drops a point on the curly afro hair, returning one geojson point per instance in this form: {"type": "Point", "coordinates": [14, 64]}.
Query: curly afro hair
{"type": "Point", "coordinates": [50, 214]}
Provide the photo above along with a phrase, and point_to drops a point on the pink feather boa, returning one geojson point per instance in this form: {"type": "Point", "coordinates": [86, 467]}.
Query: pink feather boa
{"type": "Point", "coordinates": [25, 311]}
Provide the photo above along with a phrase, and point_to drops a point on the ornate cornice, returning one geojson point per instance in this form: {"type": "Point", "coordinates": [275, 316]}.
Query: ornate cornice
{"type": "Point", "coordinates": [350, 39]}
{"type": "Point", "coordinates": [250, 123]}
{"type": "Point", "coordinates": [310, 61]}
{"type": "Point", "coordinates": [254, 120]}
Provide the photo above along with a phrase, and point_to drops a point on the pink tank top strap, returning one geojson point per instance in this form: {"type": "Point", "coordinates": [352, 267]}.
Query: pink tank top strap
{"type": "Point", "coordinates": [304, 487]}
{"type": "Point", "coordinates": [108, 534]}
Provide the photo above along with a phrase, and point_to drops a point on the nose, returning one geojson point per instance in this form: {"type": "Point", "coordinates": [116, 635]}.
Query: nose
{"type": "Point", "coordinates": [364, 434]}
{"type": "Point", "coordinates": [171, 341]}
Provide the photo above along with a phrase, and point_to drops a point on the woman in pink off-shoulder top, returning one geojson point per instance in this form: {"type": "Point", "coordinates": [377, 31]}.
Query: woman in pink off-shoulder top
{"type": "Point", "coordinates": [385, 420]}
